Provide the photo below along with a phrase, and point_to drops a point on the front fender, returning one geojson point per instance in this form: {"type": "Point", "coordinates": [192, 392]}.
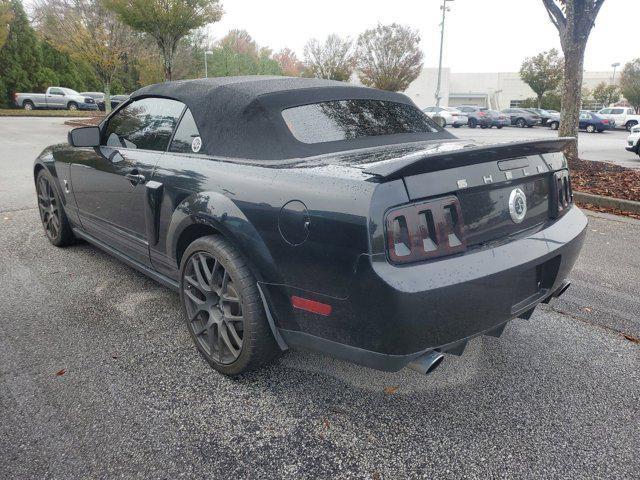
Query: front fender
{"type": "Point", "coordinates": [221, 213]}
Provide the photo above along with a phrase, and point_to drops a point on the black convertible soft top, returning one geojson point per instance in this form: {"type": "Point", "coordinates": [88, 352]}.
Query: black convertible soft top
{"type": "Point", "coordinates": [241, 117]}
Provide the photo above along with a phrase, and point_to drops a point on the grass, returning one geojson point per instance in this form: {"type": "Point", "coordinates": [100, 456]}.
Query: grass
{"type": "Point", "coordinates": [6, 112]}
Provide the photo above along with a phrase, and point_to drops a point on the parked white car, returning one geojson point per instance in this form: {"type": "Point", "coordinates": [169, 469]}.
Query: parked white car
{"type": "Point", "coordinates": [633, 140]}
{"type": "Point", "coordinates": [623, 116]}
{"type": "Point", "coordinates": [449, 115]}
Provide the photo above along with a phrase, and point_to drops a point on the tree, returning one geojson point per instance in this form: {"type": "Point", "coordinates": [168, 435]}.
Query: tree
{"type": "Point", "coordinates": [334, 59]}
{"type": "Point", "coordinates": [6, 15]}
{"type": "Point", "coordinates": [166, 21]}
{"type": "Point", "coordinates": [389, 57]}
{"type": "Point", "coordinates": [87, 32]}
{"type": "Point", "coordinates": [289, 63]}
{"type": "Point", "coordinates": [20, 59]}
{"type": "Point", "coordinates": [606, 94]}
{"type": "Point", "coordinates": [543, 72]}
{"type": "Point", "coordinates": [574, 20]}
{"type": "Point", "coordinates": [630, 83]}
{"type": "Point", "coordinates": [238, 54]}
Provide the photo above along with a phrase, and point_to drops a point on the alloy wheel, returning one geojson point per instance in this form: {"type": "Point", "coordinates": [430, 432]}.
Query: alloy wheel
{"type": "Point", "coordinates": [49, 208]}
{"type": "Point", "coordinates": [214, 308]}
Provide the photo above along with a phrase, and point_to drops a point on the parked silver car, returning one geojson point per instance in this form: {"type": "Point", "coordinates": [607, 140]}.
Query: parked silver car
{"type": "Point", "coordinates": [447, 116]}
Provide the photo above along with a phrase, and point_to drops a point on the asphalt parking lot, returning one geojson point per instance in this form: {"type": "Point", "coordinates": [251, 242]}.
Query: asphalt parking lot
{"type": "Point", "coordinates": [100, 379]}
{"type": "Point", "coordinates": [607, 146]}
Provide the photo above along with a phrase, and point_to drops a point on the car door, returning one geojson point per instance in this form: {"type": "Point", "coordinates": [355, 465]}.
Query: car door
{"type": "Point", "coordinates": [55, 98]}
{"type": "Point", "coordinates": [585, 119]}
{"type": "Point", "coordinates": [618, 115]}
{"type": "Point", "coordinates": [109, 181]}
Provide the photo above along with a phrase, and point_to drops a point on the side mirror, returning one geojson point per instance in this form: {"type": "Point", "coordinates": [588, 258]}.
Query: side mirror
{"type": "Point", "coordinates": [84, 137]}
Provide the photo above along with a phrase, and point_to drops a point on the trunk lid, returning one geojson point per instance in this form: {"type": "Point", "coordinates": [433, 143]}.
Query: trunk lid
{"type": "Point", "coordinates": [485, 180]}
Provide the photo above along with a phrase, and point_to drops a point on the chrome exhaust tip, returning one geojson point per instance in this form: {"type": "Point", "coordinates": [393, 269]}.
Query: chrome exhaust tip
{"type": "Point", "coordinates": [426, 363]}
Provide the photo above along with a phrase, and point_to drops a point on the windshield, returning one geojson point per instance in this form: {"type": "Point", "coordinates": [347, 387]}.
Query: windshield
{"type": "Point", "coordinates": [349, 119]}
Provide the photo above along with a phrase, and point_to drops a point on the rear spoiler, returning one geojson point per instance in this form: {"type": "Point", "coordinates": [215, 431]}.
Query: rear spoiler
{"type": "Point", "coordinates": [432, 162]}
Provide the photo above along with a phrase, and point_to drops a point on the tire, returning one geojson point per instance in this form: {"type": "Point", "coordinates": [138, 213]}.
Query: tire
{"type": "Point", "coordinates": [442, 122]}
{"type": "Point", "coordinates": [72, 106]}
{"type": "Point", "coordinates": [484, 127]}
{"type": "Point", "coordinates": [230, 346]}
{"type": "Point", "coordinates": [28, 105]}
{"type": "Point", "coordinates": [590, 128]}
{"type": "Point", "coordinates": [54, 219]}
{"type": "Point", "coordinates": [630, 124]}
{"type": "Point", "coordinates": [521, 123]}
{"type": "Point", "coordinates": [473, 123]}
{"type": "Point", "coordinates": [456, 125]}
{"type": "Point", "coordinates": [499, 127]}
{"type": "Point", "coordinates": [554, 125]}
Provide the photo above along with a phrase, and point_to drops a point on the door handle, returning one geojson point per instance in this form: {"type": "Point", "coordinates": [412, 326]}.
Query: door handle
{"type": "Point", "coordinates": [135, 178]}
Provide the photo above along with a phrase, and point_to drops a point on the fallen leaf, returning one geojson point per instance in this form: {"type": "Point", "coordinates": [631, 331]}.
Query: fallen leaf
{"type": "Point", "coordinates": [59, 373]}
{"type": "Point", "coordinates": [390, 390]}
{"type": "Point", "coordinates": [587, 309]}
{"type": "Point", "coordinates": [114, 355]}
{"type": "Point", "coordinates": [631, 339]}
{"type": "Point", "coordinates": [326, 422]}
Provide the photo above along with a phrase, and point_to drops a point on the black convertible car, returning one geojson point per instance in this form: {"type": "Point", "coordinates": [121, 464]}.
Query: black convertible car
{"type": "Point", "coordinates": [314, 214]}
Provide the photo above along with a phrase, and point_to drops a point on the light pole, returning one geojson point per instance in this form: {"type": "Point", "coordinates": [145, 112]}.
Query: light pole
{"type": "Point", "coordinates": [613, 78]}
{"type": "Point", "coordinates": [207, 52]}
{"type": "Point", "coordinates": [444, 9]}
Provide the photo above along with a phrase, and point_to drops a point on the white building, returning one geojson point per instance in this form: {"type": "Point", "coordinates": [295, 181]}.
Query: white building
{"type": "Point", "coordinates": [494, 90]}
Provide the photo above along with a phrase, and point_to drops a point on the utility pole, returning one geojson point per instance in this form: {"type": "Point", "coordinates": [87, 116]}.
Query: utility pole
{"type": "Point", "coordinates": [207, 52]}
{"type": "Point", "coordinates": [613, 78]}
{"type": "Point", "coordinates": [444, 9]}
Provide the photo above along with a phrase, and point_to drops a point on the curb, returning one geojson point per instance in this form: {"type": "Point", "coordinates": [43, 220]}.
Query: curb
{"type": "Point", "coordinates": [608, 202]}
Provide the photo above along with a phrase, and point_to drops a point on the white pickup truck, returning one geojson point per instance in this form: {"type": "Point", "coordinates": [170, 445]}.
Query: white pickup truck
{"type": "Point", "coordinates": [55, 98]}
{"type": "Point", "coordinates": [624, 116]}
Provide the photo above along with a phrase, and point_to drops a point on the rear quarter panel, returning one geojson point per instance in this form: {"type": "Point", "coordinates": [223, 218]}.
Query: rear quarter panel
{"type": "Point", "coordinates": [246, 203]}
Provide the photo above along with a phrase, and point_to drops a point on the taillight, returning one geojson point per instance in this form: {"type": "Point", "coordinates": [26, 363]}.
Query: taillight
{"type": "Point", "coordinates": [482, 114]}
{"type": "Point", "coordinates": [425, 230]}
{"type": "Point", "coordinates": [563, 194]}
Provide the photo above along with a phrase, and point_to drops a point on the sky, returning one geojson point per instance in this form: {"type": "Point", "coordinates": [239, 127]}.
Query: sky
{"type": "Point", "coordinates": [480, 35]}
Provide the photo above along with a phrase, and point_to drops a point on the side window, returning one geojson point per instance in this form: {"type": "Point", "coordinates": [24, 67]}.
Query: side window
{"type": "Point", "coordinates": [616, 111]}
{"type": "Point", "coordinates": [146, 124]}
{"type": "Point", "coordinates": [630, 111]}
{"type": "Point", "coordinates": [55, 91]}
{"type": "Point", "coordinates": [606, 111]}
{"type": "Point", "coordinates": [584, 116]}
{"type": "Point", "coordinates": [187, 138]}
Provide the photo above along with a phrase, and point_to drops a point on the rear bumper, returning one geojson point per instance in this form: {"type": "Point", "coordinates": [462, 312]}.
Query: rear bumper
{"type": "Point", "coordinates": [395, 314]}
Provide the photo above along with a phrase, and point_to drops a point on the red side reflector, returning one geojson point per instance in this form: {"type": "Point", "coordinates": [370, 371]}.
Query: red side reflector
{"type": "Point", "coordinates": [311, 306]}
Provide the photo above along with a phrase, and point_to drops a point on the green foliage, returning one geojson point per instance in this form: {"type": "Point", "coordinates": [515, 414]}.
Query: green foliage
{"type": "Point", "coordinates": [606, 94]}
{"type": "Point", "coordinates": [166, 21]}
{"type": "Point", "coordinates": [550, 101]}
{"type": "Point", "coordinates": [389, 57]}
{"type": "Point", "coordinates": [630, 82]}
{"type": "Point", "coordinates": [20, 57]}
{"type": "Point", "coordinates": [238, 54]}
{"type": "Point", "coordinates": [542, 72]}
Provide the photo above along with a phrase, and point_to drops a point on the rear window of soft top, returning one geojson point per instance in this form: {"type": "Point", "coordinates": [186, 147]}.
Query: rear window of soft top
{"type": "Point", "coordinates": [356, 118]}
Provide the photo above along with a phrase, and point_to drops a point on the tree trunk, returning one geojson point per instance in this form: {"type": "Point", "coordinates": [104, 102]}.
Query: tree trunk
{"type": "Point", "coordinates": [571, 93]}
{"type": "Point", "coordinates": [107, 97]}
{"type": "Point", "coordinates": [539, 101]}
